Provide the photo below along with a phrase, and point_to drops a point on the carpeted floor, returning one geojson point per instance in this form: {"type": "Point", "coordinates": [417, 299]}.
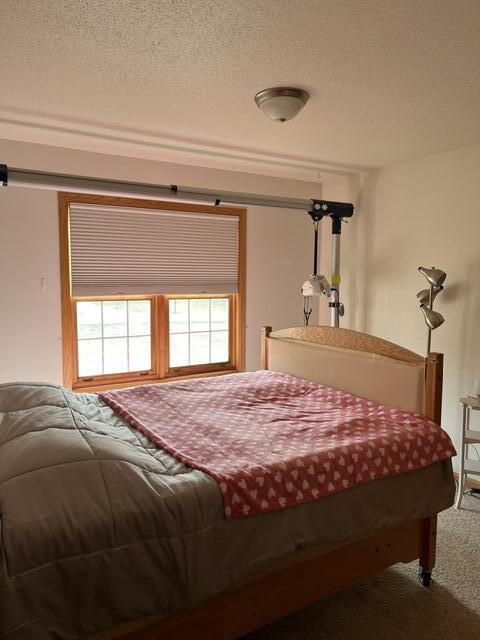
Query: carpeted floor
{"type": "Point", "coordinates": [394, 606]}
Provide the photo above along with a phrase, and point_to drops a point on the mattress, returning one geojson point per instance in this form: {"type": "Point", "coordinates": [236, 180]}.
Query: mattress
{"type": "Point", "coordinates": [98, 526]}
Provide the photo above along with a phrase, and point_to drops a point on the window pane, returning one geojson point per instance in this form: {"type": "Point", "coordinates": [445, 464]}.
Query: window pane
{"type": "Point", "coordinates": [200, 315]}
{"type": "Point", "coordinates": [138, 317]}
{"type": "Point", "coordinates": [89, 320]}
{"type": "Point", "coordinates": [199, 331]}
{"type": "Point", "coordinates": [219, 314]}
{"type": "Point", "coordinates": [178, 316]}
{"type": "Point", "coordinates": [199, 348]}
{"type": "Point", "coordinates": [117, 336]}
{"type": "Point", "coordinates": [114, 318]}
{"type": "Point", "coordinates": [219, 346]}
{"type": "Point", "coordinates": [179, 350]}
{"type": "Point", "coordinates": [89, 357]}
{"type": "Point", "coordinates": [139, 354]}
{"type": "Point", "coordinates": [115, 355]}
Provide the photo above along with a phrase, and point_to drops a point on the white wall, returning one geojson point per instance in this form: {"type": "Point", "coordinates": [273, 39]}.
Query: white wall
{"type": "Point", "coordinates": [278, 253]}
{"type": "Point", "coordinates": [30, 322]}
{"type": "Point", "coordinates": [424, 212]}
{"type": "Point", "coordinates": [279, 256]}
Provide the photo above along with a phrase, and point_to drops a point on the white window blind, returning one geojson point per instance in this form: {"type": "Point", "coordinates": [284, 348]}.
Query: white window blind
{"type": "Point", "coordinates": [125, 250]}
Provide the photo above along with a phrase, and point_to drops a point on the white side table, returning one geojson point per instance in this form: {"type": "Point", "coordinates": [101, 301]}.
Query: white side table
{"type": "Point", "coordinates": [467, 466]}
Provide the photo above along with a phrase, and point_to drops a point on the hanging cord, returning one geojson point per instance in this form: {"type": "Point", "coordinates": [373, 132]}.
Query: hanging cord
{"type": "Point", "coordinates": [307, 309]}
{"type": "Point", "coordinates": [315, 247]}
{"type": "Point", "coordinates": [307, 300]}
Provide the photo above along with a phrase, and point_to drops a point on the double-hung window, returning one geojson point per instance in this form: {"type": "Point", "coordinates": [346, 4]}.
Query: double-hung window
{"type": "Point", "coordinates": [150, 290]}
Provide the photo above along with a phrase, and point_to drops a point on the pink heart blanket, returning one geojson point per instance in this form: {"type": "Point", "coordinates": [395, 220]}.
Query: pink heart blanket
{"type": "Point", "coordinates": [271, 440]}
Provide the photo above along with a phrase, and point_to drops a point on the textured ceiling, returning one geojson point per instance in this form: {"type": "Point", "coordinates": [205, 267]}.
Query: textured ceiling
{"type": "Point", "coordinates": [389, 80]}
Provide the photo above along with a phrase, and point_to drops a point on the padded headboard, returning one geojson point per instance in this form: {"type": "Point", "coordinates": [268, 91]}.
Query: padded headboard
{"type": "Point", "coordinates": [354, 362]}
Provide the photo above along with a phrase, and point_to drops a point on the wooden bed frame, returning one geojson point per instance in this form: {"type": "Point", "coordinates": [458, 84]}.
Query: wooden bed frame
{"type": "Point", "coordinates": [313, 574]}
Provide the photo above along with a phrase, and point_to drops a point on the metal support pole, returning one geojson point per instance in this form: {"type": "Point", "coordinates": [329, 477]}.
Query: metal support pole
{"type": "Point", "coordinates": [336, 307]}
{"type": "Point", "coordinates": [430, 306]}
{"type": "Point", "coordinates": [315, 248]}
{"type": "Point", "coordinates": [335, 299]}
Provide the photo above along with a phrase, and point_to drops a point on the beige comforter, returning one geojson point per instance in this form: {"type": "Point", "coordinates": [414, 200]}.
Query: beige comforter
{"type": "Point", "coordinates": [98, 526]}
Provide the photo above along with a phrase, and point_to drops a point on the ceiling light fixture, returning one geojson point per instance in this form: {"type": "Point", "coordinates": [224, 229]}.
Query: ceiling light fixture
{"type": "Point", "coordinates": [281, 103]}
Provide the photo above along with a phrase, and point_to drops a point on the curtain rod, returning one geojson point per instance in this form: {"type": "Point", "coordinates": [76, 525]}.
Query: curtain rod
{"type": "Point", "coordinates": [13, 177]}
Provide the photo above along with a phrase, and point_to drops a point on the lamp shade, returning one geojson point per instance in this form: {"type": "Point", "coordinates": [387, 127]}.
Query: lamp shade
{"type": "Point", "coordinates": [423, 296]}
{"type": "Point", "coordinates": [433, 319]}
{"type": "Point", "coordinates": [435, 277]}
{"type": "Point", "coordinates": [281, 103]}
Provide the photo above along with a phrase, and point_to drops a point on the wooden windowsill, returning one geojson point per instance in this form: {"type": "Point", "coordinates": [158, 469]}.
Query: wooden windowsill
{"type": "Point", "coordinates": [96, 388]}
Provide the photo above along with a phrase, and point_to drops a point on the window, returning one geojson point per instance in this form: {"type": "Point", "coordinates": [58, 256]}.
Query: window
{"type": "Point", "coordinates": [149, 293]}
{"type": "Point", "coordinates": [198, 331]}
{"type": "Point", "coordinates": [113, 336]}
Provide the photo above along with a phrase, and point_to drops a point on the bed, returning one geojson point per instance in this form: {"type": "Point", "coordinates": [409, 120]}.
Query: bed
{"type": "Point", "coordinates": [103, 533]}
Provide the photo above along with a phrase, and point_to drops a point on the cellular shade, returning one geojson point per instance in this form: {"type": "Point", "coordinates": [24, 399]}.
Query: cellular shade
{"type": "Point", "coordinates": [126, 250]}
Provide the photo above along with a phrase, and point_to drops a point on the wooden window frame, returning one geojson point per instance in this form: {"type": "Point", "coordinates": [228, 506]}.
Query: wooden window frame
{"type": "Point", "coordinates": [160, 371]}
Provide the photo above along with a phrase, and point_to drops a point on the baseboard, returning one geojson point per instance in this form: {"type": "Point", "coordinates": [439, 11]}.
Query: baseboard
{"type": "Point", "coordinates": [471, 484]}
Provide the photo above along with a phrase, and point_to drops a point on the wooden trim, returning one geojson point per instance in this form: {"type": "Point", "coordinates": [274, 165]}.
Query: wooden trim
{"type": "Point", "coordinates": [175, 372]}
{"type": "Point", "coordinates": [109, 381]}
{"type": "Point", "coordinates": [68, 339]}
{"type": "Point", "coordinates": [240, 298]}
{"type": "Point", "coordinates": [154, 335]}
{"type": "Point", "coordinates": [195, 296]}
{"type": "Point", "coordinates": [265, 599]}
{"type": "Point", "coordinates": [162, 326]}
{"type": "Point", "coordinates": [140, 203]}
{"type": "Point", "coordinates": [160, 368]}
{"type": "Point", "coordinates": [94, 388]}
{"type": "Point", "coordinates": [232, 329]}
{"type": "Point", "coordinates": [266, 331]}
{"type": "Point", "coordinates": [433, 387]}
{"type": "Point", "coordinates": [348, 339]}
{"type": "Point", "coordinates": [112, 298]}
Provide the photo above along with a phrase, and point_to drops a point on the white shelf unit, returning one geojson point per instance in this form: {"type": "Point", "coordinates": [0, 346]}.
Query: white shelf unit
{"type": "Point", "coordinates": [468, 437]}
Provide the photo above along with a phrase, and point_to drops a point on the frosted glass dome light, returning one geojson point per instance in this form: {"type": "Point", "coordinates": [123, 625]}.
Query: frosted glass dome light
{"type": "Point", "coordinates": [281, 103]}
